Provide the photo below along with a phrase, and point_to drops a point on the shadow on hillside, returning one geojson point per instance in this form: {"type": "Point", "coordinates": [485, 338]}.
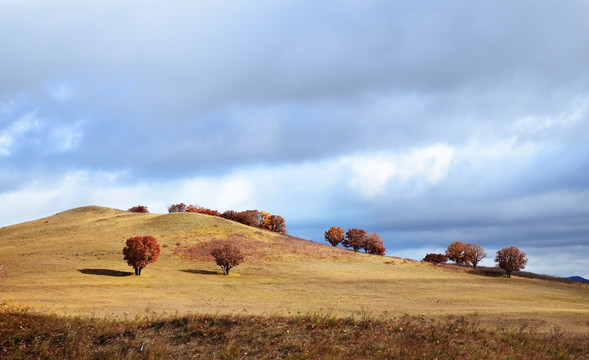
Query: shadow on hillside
{"type": "Point", "coordinates": [496, 272]}
{"type": "Point", "coordinates": [201, 272]}
{"type": "Point", "coordinates": [105, 272]}
{"type": "Point", "coordinates": [487, 272]}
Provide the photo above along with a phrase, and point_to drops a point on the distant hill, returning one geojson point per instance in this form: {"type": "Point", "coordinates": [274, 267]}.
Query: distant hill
{"type": "Point", "coordinates": [100, 230]}
{"type": "Point", "coordinates": [579, 279]}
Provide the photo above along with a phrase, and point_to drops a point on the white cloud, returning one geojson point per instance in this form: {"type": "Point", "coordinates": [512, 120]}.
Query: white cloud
{"type": "Point", "coordinates": [417, 169]}
{"type": "Point", "coordinates": [542, 124]}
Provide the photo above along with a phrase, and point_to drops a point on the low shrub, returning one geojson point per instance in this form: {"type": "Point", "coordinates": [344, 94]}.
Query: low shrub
{"type": "Point", "coordinates": [139, 209]}
{"type": "Point", "coordinates": [435, 258]}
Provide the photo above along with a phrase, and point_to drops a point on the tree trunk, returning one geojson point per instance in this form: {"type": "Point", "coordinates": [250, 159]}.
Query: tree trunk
{"type": "Point", "coordinates": [137, 271]}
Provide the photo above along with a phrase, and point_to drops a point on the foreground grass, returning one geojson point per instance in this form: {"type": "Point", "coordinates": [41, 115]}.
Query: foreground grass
{"type": "Point", "coordinates": [30, 336]}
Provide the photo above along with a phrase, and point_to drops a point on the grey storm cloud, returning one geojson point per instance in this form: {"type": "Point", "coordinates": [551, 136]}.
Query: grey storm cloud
{"type": "Point", "coordinates": [426, 121]}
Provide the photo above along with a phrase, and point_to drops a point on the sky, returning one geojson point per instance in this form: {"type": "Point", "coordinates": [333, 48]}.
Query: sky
{"type": "Point", "coordinates": [427, 122]}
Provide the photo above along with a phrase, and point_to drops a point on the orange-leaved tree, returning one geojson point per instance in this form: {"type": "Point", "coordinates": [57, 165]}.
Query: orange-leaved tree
{"type": "Point", "coordinates": [227, 256]}
{"type": "Point", "coordinates": [511, 259]}
{"type": "Point", "coordinates": [373, 244]}
{"type": "Point", "coordinates": [475, 253]}
{"type": "Point", "coordinates": [276, 223]}
{"type": "Point", "coordinates": [263, 219]}
{"type": "Point", "coordinates": [140, 251]}
{"type": "Point", "coordinates": [457, 252]}
{"type": "Point", "coordinates": [334, 235]}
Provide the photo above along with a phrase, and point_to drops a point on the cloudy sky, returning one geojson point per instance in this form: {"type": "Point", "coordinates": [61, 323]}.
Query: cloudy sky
{"type": "Point", "coordinates": [424, 121]}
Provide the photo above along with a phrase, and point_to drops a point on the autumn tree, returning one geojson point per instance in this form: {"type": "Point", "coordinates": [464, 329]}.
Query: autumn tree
{"type": "Point", "coordinates": [475, 253]}
{"type": "Point", "coordinates": [248, 217]}
{"type": "Point", "coordinates": [202, 210]}
{"type": "Point", "coordinates": [140, 251]}
{"type": "Point", "coordinates": [511, 259]}
{"type": "Point", "coordinates": [334, 235]}
{"type": "Point", "coordinates": [227, 256]}
{"type": "Point", "coordinates": [373, 244]}
{"type": "Point", "coordinates": [354, 239]}
{"type": "Point", "coordinates": [177, 208]}
{"type": "Point", "coordinates": [436, 258]}
{"type": "Point", "coordinates": [229, 215]}
{"type": "Point", "coordinates": [276, 223]}
{"type": "Point", "coordinates": [457, 252]}
{"type": "Point", "coordinates": [138, 209]}
{"type": "Point", "coordinates": [263, 219]}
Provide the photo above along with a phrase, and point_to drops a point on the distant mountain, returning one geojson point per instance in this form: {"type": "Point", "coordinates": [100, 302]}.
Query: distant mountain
{"type": "Point", "coordinates": [578, 278]}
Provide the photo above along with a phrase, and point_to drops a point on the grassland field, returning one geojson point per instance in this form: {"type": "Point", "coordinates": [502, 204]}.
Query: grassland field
{"type": "Point", "coordinates": [71, 264]}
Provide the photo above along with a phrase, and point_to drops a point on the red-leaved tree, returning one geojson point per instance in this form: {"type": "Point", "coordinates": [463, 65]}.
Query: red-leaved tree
{"type": "Point", "coordinates": [139, 209]}
{"type": "Point", "coordinates": [140, 251]}
{"type": "Point", "coordinates": [511, 259]}
{"type": "Point", "coordinates": [334, 235]}
{"type": "Point", "coordinates": [202, 210]}
{"type": "Point", "coordinates": [177, 208]}
{"type": "Point", "coordinates": [227, 256]}
{"type": "Point", "coordinates": [355, 239]}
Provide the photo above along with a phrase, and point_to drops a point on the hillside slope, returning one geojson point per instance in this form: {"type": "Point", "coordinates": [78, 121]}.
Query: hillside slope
{"type": "Point", "coordinates": [72, 263]}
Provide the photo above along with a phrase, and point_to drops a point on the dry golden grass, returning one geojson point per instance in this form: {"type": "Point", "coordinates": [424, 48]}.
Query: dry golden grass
{"type": "Point", "coordinates": [71, 263]}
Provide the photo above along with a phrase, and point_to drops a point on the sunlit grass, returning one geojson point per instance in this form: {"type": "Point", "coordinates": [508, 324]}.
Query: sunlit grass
{"type": "Point", "coordinates": [72, 263]}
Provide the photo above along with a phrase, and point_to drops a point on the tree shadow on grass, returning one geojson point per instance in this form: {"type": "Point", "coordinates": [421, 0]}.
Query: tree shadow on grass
{"type": "Point", "coordinates": [105, 272]}
{"type": "Point", "coordinates": [201, 272]}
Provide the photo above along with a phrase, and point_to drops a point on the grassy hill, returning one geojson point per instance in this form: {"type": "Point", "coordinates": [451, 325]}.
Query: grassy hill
{"type": "Point", "coordinates": [71, 263]}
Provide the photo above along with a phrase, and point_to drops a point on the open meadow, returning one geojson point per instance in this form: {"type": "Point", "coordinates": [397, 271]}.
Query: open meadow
{"type": "Point", "coordinates": [71, 264]}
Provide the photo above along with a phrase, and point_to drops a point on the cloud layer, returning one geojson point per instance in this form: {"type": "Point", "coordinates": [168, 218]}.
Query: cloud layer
{"type": "Point", "coordinates": [427, 123]}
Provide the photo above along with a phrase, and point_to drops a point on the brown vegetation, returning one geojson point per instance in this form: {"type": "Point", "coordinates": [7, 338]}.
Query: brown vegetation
{"type": "Point", "coordinates": [318, 336]}
{"type": "Point", "coordinates": [139, 209]}
{"type": "Point", "coordinates": [435, 258]}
